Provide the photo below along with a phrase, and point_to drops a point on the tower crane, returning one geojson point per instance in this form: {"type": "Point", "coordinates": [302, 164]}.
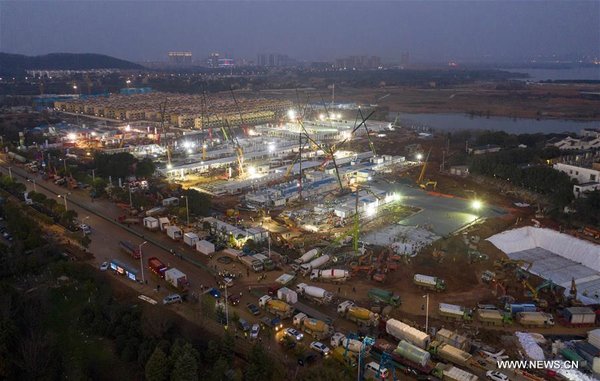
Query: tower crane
{"type": "Point", "coordinates": [424, 184]}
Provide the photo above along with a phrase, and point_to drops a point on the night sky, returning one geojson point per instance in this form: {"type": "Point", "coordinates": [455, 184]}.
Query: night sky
{"type": "Point", "coordinates": [431, 31]}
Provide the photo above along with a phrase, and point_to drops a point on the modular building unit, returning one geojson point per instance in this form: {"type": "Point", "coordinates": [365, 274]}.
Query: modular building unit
{"type": "Point", "coordinates": [579, 316]}
{"type": "Point", "coordinates": [151, 223]}
{"type": "Point", "coordinates": [450, 337]}
{"type": "Point", "coordinates": [205, 247]}
{"type": "Point", "coordinates": [163, 223]}
{"type": "Point", "coordinates": [174, 232]}
{"type": "Point", "coordinates": [190, 239]}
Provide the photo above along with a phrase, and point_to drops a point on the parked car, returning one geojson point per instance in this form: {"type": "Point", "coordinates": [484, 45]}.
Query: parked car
{"type": "Point", "coordinates": [307, 359]}
{"type": "Point", "coordinates": [244, 325]}
{"type": "Point", "coordinates": [254, 331]}
{"type": "Point", "coordinates": [254, 310]}
{"type": "Point", "coordinates": [496, 376]}
{"type": "Point", "coordinates": [234, 300]}
{"type": "Point", "coordinates": [291, 332]}
{"type": "Point", "coordinates": [214, 293]}
{"type": "Point", "coordinates": [173, 298]}
{"type": "Point", "coordinates": [104, 266]}
{"type": "Point", "coordinates": [319, 347]}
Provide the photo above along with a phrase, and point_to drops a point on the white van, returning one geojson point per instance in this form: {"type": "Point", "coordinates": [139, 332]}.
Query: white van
{"type": "Point", "coordinates": [373, 370]}
{"type": "Point", "coordinates": [174, 298]}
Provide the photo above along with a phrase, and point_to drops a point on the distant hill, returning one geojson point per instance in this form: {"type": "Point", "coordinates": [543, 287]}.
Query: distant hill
{"type": "Point", "coordinates": [15, 64]}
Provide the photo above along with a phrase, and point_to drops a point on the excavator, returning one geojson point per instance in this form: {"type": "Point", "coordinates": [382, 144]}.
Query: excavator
{"type": "Point", "coordinates": [424, 184]}
{"type": "Point", "coordinates": [542, 303]}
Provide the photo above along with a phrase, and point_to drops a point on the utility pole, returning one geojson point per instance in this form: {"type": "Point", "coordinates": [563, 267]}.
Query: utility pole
{"type": "Point", "coordinates": [142, 260]}
{"type": "Point", "coordinates": [300, 176]}
{"type": "Point", "coordinates": [426, 296]}
{"type": "Point", "coordinates": [10, 172]}
{"type": "Point", "coordinates": [187, 210]}
{"type": "Point", "coordinates": [130, 199]}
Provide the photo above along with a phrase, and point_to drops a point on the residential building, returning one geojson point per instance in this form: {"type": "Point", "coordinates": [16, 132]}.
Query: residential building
{"type": "Point", "coordinates": [580, 190]}
{"type": "Point", "coordinates": [581, 174]}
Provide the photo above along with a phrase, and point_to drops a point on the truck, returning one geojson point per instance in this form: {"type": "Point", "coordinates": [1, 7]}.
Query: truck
{"type": "Point", "coordinates": [493, 317]}
{"type": "Point", "coordinates": [151, 223]}
{"type": "Point", "coordinates": [157, 267]}
{"type": "Point", "coordinates": [404, 357]}
{"type": "Point", "coordinates": [330, 275]}
{"type": "Point", "coordinates": [449, 353]}
{"type": "Point", "coordinates": [174, 232]}
{"type": "Point", "coordinates": [308, 256]}
{"type": "Point", "coordinates": [128, 220]}
{"type": "Point", "coordinates": [155, 211]}
{"type": "Point", "coordinates": [402, 331]}
{"type": "Point", "coordinates": [347, 358]}
{"type": "Point", "coordinates": [358, 315]}
{"type": "Point", "coordinates": [190, 239]}
{"type": "Point", "coordinates": [306, 268]}
{"type": "Point", "coordinates": [515, 308]}
{"type": "Point", "coordinates": [455, 312]}
{"type": "Point", "coordinates": [450, 337]}
{"type": "Point", "coordinates": [276, 307]}
{"type": "Point", "coordinates": [577, 317]}
{"type": "Point", "coordinates": [447, 372]}
{"type": "Point", "coordinates": [267, 263]}
{"type": "Point", "coordinates": [271, 322]}
{"type": "Point", "coordinates": [251, 263]}
{"type": "Point", "coordinates": [339, 340]}
{"type": "Point", "coordinates": [130, 249]}
{"type": "Point", "coordinates": [316, 328]}
{"type": "Point", "coordinates": [316, 294]}
{"type": "Point", "coordinates": [384, 296]}
{"type": "Point", "coordinates": [429, 282]}
{"type": "Point", "coordinates": [177, 279]}
{"type": "Point", "coordinates": [535, 319]}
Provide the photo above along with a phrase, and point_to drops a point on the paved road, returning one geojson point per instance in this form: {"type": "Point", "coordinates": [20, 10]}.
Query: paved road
{"type": "Point", "coordinates": [445, 214]}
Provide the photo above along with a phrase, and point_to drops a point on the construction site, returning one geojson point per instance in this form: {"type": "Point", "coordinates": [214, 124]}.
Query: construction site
{"type": "Point", "coordinates": [364, 219]}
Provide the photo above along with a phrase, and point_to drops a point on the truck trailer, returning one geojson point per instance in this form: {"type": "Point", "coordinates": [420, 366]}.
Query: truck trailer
{"type": "Point", "coordinates": [535, 319]}
{"type": "Point", "coordinates": [402, 331]}
{"type": "Point", "coordinates": [177, 279]}
{"type": "Point", "coordinates": [131, 249]}
{"type": "Point", "coordinates": [449, 353]}
{"type": "Point", "coordinates": [384, 296]}
{"type": "Point", "coordinates": [455, 312]}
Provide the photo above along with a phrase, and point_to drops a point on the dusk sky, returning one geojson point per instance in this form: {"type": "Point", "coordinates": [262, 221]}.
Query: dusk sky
{"type": "Point", "coordinates": [429, 31]}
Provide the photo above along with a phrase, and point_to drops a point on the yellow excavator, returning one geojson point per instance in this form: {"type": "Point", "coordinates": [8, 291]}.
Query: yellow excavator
{"type": "Point", "coordinates": [424, 184]}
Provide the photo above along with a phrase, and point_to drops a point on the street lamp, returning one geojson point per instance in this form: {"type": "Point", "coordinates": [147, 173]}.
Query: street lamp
{"type": "Point", "coordinates": [64, 196]}
{"type": "Point", "coordinates": [476, 204]}
{"type": "Point", "coordinates": [426, 296]}
{"type": "Point", "coordinates": [142, 260]}
{"type": "Point", "coordinates": [187, 209]}
{"type": "Point", "coordinates": [10, 172]}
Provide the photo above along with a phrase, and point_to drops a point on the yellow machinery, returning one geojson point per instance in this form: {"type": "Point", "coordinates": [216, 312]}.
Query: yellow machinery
{"type": "Point", "coordinates": [424, 184]}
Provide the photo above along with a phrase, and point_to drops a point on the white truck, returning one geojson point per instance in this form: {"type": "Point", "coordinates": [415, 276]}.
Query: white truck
{"type": "Point", "coordinates": [174, 232]}
{"type": "Point", "coordinates": [429, 282]}
{"type": "Point", "coordinates": [316, 294]}
{"type": "Point", "coordinates": [316, 328]}
{"type": "Point", "coordinates": [306, 268]}
{"type": "Point", "coordinates": [402, 331]}
{"type": "Point", "coordinates": [455, 312]}
{"type": "Point", "coordinates": [177, 279]}
{"type": "Point", "coordinates": [330, 275]}
{"type": "Point", "coordinates": [340, 340]}
{"type": "Point", "coordinates": [359, 315]}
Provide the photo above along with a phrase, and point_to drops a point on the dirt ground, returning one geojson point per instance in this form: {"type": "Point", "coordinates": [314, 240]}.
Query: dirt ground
{"type": "Point", "coordinates": [560, 101]}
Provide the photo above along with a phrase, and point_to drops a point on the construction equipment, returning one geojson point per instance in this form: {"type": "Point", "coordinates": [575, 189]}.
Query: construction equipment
{"type": "Point", "coordinates": [534, 293]}
{"type": "Point", "coordinates": [420, 181]}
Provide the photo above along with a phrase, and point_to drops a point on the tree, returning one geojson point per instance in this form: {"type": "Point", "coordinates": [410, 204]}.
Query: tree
{"type": "Point", "coordinates": [157, 367]}
{"type": "Point", "coordinates": [185, 367]}
{"type": "Point", "coordinates": [260, 367]}
{"type": "Point", "coordinates": [199, 203]}
{"type": "Point", "coordinates": [145, 168]}
{"type": "Point", "coordinates": [217, 370]}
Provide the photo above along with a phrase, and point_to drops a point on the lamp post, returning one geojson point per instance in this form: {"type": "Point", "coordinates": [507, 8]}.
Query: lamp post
{"type": "Point", "coordinates": [426, 296]}
{"type": "Point", "coordinates": [64, 196]}
{"type": "Point", "coordinates": [130, 199]}
{"type": "Point", "coordinates": [142, 260]}
{"type": "Point", "coordinates": [187, 209]}
{"type": "Point", "coordinates": [10, 172]}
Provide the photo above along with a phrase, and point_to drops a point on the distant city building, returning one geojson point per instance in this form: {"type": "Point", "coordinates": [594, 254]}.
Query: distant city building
{"type": "Point", "coordinates": [274, 60]}
{"type": "Point", "coordinates": [180, 58]}
{"type": "Point", "coordinates": [226, 62]}
{"type": "Point", "coordinates": [358, 62]}
{"type": "Point", "coordinates": [213, 60]}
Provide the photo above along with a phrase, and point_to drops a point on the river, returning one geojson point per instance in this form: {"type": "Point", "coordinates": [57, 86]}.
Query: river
{"type": "Point", "coordinates": [572, 73]}
{"type": "Point", "coordinates": [453, 122]}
